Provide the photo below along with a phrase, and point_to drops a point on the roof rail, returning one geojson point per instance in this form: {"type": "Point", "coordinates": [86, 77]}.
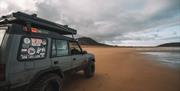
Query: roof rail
{"type": "Point", "coordinates": [20, 17]}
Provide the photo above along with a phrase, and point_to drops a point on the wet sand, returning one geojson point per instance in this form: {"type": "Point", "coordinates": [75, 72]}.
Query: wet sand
{"type": "Point", "coordinates": [123, 69]}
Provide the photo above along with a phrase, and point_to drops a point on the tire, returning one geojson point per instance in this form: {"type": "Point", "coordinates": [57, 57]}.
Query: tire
{"type": "Point", "coordinates": [49, 82]}
{"type": "Point", "coordinates": [89, 70]}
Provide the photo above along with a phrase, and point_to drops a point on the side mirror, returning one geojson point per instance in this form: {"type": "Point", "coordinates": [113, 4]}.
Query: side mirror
{"type": "Point", "coordinates": [84, 52]}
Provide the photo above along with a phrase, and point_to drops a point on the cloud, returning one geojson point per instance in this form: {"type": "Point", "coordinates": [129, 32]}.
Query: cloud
{"type": "Point", "coordinates": [8, 6]}
{"type": "Point", "coordinates": [110, 20]}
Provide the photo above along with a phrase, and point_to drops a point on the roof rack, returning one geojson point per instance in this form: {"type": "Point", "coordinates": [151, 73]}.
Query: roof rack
{"type": "Point", "coordinates": [33, 20]}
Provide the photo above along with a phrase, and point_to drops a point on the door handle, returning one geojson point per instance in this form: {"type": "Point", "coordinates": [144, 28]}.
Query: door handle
{"type": "Point", "coordinates": [55, 62]}
{"type": "Point", "coordinates": [74, 59]}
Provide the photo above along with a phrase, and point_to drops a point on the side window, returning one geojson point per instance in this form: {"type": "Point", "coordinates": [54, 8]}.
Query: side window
{"type": "Point", "coordinates": [62, 47]}
{"type": "Point", "coordinates": [74, 48]}
{"type": "Point", "coordinates": [59, 48]}
{"type": "Point", "coordinates": [53, 48]}
{"type": "Point", "coordinates": [32, 48]}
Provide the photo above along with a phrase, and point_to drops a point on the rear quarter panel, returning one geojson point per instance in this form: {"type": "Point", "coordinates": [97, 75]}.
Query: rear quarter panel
{"type": "Point", "coordinates": [21, 72]}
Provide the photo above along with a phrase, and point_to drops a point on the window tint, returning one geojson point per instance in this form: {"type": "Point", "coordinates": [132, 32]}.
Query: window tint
{"type": "Point", "coordinates": [59, 48]}
{"type": "Point", "coordinates": [32, 48]}
{"type": "Point", "coordinates": [74, 47]}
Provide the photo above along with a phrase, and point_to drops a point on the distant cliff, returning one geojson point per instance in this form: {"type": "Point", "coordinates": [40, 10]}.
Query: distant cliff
{"type": "Point", "coordinates": [177, 44]}
{"type": "Point", "coordinates": [89, 41]}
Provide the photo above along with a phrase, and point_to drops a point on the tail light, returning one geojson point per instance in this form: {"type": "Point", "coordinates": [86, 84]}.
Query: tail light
{"type": "Point", "coordinates": [34, 30]}
{"type": "Point", "coordinates": [2, 72]}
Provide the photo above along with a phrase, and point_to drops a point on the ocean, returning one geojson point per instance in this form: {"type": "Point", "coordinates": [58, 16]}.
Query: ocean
{"type": "Point", "coordinates": [171, 59]}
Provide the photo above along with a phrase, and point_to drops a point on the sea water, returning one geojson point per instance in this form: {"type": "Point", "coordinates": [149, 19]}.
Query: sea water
{"type": "Point", "coordinates": [171, 59]}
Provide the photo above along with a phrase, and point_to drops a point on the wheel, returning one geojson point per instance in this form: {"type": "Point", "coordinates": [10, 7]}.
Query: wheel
{"type": "Point", "coordinates": [89, 70]}
{"type": "Point", "coordinates": [49, 82]}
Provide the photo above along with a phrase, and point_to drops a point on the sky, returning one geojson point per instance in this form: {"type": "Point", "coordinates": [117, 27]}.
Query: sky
{"type": "Point", "coordinates": [114, 22]}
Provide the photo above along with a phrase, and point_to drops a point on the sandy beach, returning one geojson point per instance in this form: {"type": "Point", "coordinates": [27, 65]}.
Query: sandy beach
{"type": "Point", "coordinates": [123, 69]}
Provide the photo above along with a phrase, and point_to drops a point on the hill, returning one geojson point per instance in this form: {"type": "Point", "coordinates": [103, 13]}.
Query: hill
{"type": "Point", "coordinates": [177, 44]}
{"type": "Point", "coordinates": [89, 41]}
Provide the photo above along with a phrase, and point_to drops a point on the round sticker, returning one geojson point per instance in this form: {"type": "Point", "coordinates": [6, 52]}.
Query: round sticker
{"type": "Point", "coordinates": [27, 40]}
{"type": "Point", "coordinates": [44, 42]}
{"type": "Point", "coordinates": [31, 51]}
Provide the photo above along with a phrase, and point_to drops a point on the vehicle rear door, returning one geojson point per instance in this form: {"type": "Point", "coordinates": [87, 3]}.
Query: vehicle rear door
{"type": "Point", "coordinates": [60, 54]}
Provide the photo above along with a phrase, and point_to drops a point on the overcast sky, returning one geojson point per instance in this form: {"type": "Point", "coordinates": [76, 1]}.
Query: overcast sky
{"type": "Point", "coordinates": [118, 22]}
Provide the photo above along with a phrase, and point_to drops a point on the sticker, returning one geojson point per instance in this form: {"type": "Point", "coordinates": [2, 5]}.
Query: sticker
{"type": "Point", "coordinates": [31, 51]}
{"type": "Point", "coordinates": [23, 50]}
{"type": "Point", "coordinates": [24, 57]}
{"type": "Point", "coordinates": [38, 50]}
{"type": "Point", "coordinates": [42, 54]}
{"type": "Point", "coordinates": [25, 46]}
{"type": "Point", "coordinates": [31, 57]}
{"type": "Point", "coordinates": [44, 42]}
{"type": "Point", "coordinates": [36, 42]}
{"type": "Point", "coordinates": [27, 41]}
{"type": "Point", "coordinates": [37, 56]}
{"type": "Point", "coordinates": [43, 49]}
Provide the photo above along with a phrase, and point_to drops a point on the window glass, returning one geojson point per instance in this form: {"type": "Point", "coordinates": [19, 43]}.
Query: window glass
{"type": "Point", "coordinates": [32, 48]}
{"type": "Point", "coordinates": [53, 48]}
{"type": "Point", "coordinates": [62, 47]}
{"type": "Point", "coordinates": [74, 47]}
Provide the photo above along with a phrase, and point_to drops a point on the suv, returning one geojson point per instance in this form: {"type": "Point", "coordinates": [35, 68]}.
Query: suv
{"type": "Point", "coordinates": [36, 53]}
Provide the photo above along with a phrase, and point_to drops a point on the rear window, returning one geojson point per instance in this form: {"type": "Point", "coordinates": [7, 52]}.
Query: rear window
{"type": "Point", "coordinates": [2, 33]}
{"type": "Point", "coordinates": [32, 48]}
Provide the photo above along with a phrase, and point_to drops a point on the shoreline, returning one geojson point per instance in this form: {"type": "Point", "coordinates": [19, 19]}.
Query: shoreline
{"type": "Point", "coordinates": [171, 60]}
{"type": "Point", "coordinates": [159, 49]}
